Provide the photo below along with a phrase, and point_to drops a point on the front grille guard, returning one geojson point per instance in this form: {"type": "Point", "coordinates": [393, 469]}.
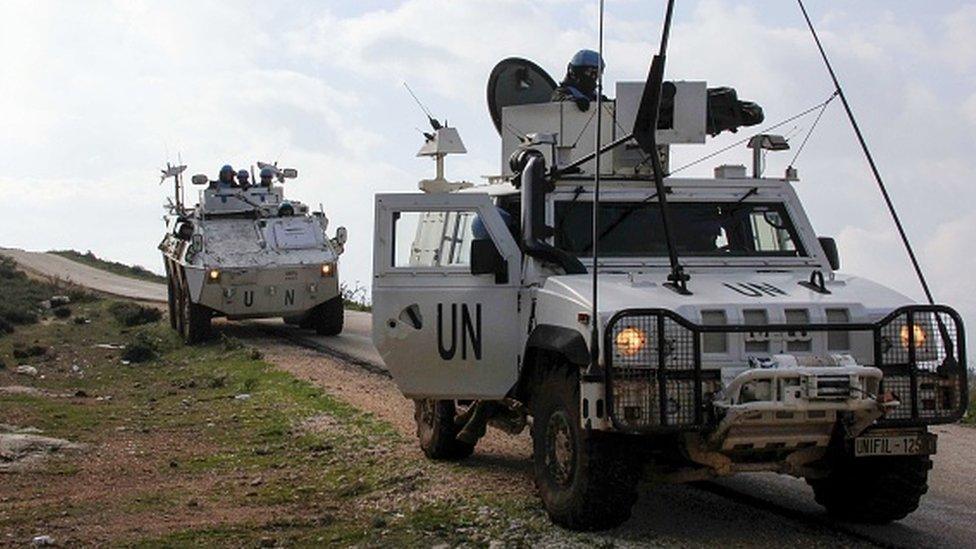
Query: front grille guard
{"type": "Point", "coordinates": [927, 373]}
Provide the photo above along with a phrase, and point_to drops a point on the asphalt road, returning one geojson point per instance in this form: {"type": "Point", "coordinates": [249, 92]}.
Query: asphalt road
{"type": "Point", "coordinates": [101, 281]}
{"type": "Point", "coordinates": [946, 518]}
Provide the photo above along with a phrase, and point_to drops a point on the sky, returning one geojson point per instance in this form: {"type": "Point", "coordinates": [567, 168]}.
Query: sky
{"type": "Point", "coordinates": [96, 96]}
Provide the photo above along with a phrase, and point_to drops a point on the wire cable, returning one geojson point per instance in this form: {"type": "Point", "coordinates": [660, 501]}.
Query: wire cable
{"type": "Point", "coordinates": [760, 132]}
{"type": "Point", "coordinates": [809, 133]}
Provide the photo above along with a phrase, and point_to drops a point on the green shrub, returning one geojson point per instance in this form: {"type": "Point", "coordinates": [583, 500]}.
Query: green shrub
{"type": "Point", "coordinates": [230, 343]}
{"type": "Point", "coordinates": [29, 352]}
{"type": "Point", "coordinates": [6, 327]}
{"type": "Point", "coordinates": [62, 312]}
{"type": "Point", "coordinates": [133, 314]}
{"type": "Point", "coordinates": [21, 316]}
{"type": "Point", "coordinates": [21, 296]}
{"type": "Point", "coordinates": [142, 348]}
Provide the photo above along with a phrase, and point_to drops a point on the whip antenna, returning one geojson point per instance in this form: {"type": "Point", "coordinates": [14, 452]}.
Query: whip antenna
{"type": "Point", "coordinates": [430, 118]}
{"type": "Point", "coordinates": [595, 334]}
{"type": "Point", "coordinates": [867, 153]}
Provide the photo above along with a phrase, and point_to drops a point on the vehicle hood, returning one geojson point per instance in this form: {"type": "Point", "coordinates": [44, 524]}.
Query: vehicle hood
{"type": "Point", "coordinates": [774, 291]}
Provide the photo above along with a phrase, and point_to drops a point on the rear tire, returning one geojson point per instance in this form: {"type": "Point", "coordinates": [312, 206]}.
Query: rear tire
{"type": "Point", "coordinates": [437, 431]}
{"type": "Point", "coordinates": [874, 490]}
{"type": "Point", "coordinates": [327, 318]}
{"type": "Point", "coordinates": [587, 481]}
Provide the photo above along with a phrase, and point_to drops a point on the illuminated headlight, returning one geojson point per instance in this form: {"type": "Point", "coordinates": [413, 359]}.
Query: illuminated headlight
{"type": "Point", "coordinates": [213, 275]}
{"type": "Point", "coordinates": [630, 341]}
{"type": "Point", "coordinates": [919, 334]}
{"type": "Point", "coordinates": [327, 269]}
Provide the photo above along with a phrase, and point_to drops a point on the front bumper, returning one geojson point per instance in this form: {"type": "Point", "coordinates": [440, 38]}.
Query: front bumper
{"type": "Point", "coordinates": [664, 387]}
{"type": "Point", "coordinates": [267, 292]}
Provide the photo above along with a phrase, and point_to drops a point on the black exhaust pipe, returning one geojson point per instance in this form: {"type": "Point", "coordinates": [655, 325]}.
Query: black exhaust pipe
{"type": "Point", "coordinates": [531, 166]}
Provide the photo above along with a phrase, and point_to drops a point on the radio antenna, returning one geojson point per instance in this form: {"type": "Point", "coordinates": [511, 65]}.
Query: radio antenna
{"type": "Point", "coordinates": [867, 154]}
{"type": "Point", "coordinates": [595, 318]}
{"type": "Point", "coordinates": [430, 118]}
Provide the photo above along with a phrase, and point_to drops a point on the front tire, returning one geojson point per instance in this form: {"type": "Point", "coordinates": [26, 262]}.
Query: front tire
{"type": "Point", "coordinates": [873, 490]}
{"type": "Point", "coordinates": [587, 481]}
{"type": "Point", "coordinates": [437, 430]}
{"type": "Point", "coordinates": [194, 320]}
{"type": "Point", "coordinates": [327, 318]}
{"type": "Point", "coordinates": [171, 301]}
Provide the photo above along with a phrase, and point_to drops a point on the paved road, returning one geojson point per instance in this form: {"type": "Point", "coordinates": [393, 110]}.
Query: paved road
{"type": "Point", "coordinates": [946, 518]}
{"type": "Point", "coordinates": [101, 281]}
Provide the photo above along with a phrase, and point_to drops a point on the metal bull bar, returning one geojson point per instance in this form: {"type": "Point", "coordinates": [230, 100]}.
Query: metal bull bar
{"type": "Point", "coordinates": [655, 382]}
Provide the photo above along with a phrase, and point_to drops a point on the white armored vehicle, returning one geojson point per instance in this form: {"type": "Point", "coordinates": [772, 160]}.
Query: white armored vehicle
{"type": "Point", "coordinates": [246, 252]}
{"type": "Point", "coordinates": [724, 338]}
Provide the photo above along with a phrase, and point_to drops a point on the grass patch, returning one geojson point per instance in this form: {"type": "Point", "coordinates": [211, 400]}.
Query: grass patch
{"type": "Point", "coordinates": [131, 271]}
{"type": "Point", "coordinates": [230, 450]}
{"type": "Point", "coordinates": [132, 314]}
{"type": "Point", "coordinates": [21, 297]}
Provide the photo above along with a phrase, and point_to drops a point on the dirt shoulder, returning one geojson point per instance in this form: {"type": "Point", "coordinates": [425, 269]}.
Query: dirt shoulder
{"type": "Point", "coordinates": [215, 445]}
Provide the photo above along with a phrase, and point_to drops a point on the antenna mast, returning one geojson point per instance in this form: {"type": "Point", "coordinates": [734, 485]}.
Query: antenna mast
{"type": "Point", "coordinates": [867, 153]}
{"type": "Point", "coordinates": [595, 318]}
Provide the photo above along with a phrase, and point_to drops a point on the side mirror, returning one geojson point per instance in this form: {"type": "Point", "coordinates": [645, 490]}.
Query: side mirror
{"type": "Point", "coordinates": [341, 235]}
{"type": "Point", "coordinates": [485, 259]}
{"type": "Point", "coordinates": [200, 179]}
{"type": "Point", "coordinates": [289, 173]}
{"type": "Point", "coordinates": [829, 246]}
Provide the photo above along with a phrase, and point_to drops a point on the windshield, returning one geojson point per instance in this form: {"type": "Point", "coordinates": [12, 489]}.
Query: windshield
{"type": "Point", "coordinates": [708, 229]}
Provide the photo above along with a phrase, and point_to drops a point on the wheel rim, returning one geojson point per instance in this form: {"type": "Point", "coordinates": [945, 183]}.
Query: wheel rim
{"type": "Point", "coordinates": [560, 451]}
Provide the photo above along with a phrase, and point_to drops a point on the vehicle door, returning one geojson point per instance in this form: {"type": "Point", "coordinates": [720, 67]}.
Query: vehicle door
{"type": "Point", "coordinates": [445, 304]}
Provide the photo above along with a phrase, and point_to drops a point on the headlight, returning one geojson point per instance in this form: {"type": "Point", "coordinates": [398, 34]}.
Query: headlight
{"type": "Point", "coordinates": [920, 336]}
{"type": "Point", "coordinates": [328, 269]}
{"type": "Point", "coordinates": [213, 275]}
{"type": "Point", "coordinates": [630, 341]}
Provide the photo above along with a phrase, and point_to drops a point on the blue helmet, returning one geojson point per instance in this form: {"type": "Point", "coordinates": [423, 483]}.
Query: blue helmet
{"type": "Point", "coordinates": [587, 58]}
{"type": "Point", "coordinates": [226, 174]}
{"type": "Point", "coordinates": [242, 175]}
{"type": "Point", "coordinates": [480, 232]}
{"type": "Point", "coordinates": [267, 173]}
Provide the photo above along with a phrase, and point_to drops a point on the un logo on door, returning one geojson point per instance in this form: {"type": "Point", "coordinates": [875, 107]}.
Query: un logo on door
{"type": "Point", "coordinates": [470, 328]}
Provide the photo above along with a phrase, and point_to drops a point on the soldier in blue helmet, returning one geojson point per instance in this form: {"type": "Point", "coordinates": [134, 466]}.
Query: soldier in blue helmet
{"type": "Point", "coordinates": [267, 177]}
{"type": "Point", "coordinates": [286, 209]}
{"type": "Point", "coordinates": [225, 179]}
{"type": "Point", "coordinates": [579, 85]}
{"type": "Point", "coordinates": [243, 179]}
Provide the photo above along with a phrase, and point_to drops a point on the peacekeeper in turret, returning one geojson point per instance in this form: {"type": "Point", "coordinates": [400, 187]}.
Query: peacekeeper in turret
{"type": "Point", "coordinates": [225, 180]}
{"type": "Point", "coordinates": [582, 74]}
{"type": "Point", "coordinates": [267, 177]}
{"type": "Point", "coordinates": [243, 179]}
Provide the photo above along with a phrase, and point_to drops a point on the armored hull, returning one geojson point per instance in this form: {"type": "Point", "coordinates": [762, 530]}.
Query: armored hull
{"type": "Point", "coordinates": [247, 253]}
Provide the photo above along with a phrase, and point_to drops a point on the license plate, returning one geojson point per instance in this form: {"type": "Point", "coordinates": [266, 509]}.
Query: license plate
{"type": "Point", "coordinates": [918, 444]}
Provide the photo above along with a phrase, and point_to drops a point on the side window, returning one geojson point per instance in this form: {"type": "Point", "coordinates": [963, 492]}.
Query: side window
{"type": "Point", "coordinates": [432, 238]}
{"type": "Point", "coordinates": [770, 233]}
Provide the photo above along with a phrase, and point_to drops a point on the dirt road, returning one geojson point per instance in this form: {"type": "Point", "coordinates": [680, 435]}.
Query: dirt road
{"type": "Point", "coordinates": [757, 509]}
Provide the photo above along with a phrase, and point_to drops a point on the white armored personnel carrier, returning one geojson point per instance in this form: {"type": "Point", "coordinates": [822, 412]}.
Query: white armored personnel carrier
{"type": "Point", "coordinates": [245, 252]}
{"type": "Point", "coordinates": [722, 337]}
